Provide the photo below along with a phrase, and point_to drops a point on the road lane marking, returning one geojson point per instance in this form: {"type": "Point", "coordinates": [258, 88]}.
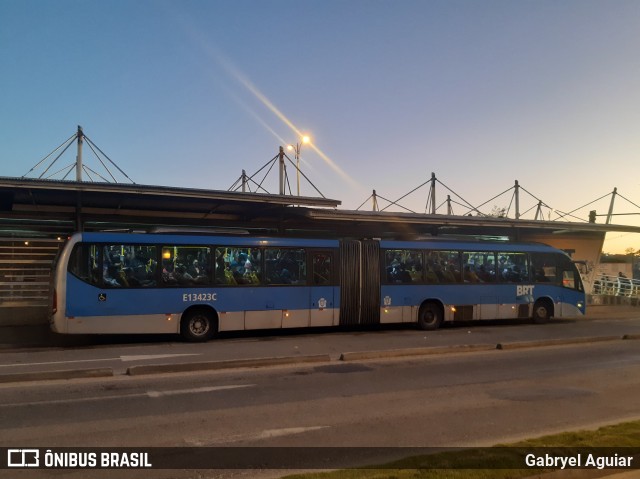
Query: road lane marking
{"type": "Point", "coordinates": [157, 394]}
{"type": "Point", "coordinates": [261, 435]}
{"type": "Point", "coordinates": [146, 394]}
{"type": "Point", "coordinates": [121, 358]}
{"type": "Point", "coordinates": [287, 431]}
{"type": "Point", "coordinates": [144, 357]}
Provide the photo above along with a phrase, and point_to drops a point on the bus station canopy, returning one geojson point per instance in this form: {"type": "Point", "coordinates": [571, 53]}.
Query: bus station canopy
{"type": "Point", "coordinates": [32, 207]}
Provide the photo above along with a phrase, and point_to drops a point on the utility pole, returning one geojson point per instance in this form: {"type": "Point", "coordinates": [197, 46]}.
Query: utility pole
{"type": "Point", "coordinates": [281, 170]}
{"type": "Point", "coordinates": [613, 199]}
{"type": "Point", "coordinates": [517, 195]}
{"type": "Point", "coordinates": [80, 136]}
{"type": "Point", "coordinates": [539, 211]}
{"type": "Point", "coordinates": [433, 193]}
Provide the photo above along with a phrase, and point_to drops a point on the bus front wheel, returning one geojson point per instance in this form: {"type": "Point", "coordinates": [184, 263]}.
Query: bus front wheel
{"type": "Point", "coordinates": [430, 316]}
{"type": "Point", "coordinates": [542, 311]}
{"type": "Point", "coordinates": [197, 325]}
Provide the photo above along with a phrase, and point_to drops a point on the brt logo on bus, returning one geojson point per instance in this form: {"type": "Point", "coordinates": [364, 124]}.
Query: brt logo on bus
{"type": "Point", "coordinates": [524, 290]}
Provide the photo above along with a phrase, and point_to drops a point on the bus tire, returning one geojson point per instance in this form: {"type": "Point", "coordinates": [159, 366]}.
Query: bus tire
{"type": "Point", "coordinates": [542, 311]}
{"type": "Point", "coordinates": [198, 325]}
{"type": "Point", "coordinates": [430, 316]}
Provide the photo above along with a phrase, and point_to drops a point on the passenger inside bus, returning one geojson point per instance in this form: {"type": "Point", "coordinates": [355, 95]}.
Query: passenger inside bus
{"type": "Point", "coordinates": [470, 275]}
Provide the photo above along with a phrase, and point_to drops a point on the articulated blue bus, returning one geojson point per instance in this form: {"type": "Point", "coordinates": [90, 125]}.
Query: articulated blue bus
{"type": "Point", "coordinates": [199, 285]}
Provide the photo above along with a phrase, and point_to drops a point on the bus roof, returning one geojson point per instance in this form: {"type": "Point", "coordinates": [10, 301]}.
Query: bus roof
{"type": "Point", "coordinates": [203, 239]}
{"type": "Point", "coordinates": [457, 244]}
{"type": "Point", "coordinates": [244, 240]}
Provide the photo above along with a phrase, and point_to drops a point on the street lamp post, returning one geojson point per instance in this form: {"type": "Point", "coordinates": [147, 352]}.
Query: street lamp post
{"type": "Point", "coordinates": [296, 149]}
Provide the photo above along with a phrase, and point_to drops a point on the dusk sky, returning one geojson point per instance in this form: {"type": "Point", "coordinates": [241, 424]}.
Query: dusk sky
{"type": "Point", "coordinates": [483, 93]}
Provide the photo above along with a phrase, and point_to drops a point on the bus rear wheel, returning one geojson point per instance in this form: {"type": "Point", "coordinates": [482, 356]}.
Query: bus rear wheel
{"type": "Point", "coordinates": [430, 317]}
{"type": "Point", "coordinates": [197, 325]}
{"type": "Point", "coordinates": [542, 311]}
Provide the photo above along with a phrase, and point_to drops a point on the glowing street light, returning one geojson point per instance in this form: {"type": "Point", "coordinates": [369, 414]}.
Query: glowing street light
{"type": "Point", "coordinates": [296, 149]}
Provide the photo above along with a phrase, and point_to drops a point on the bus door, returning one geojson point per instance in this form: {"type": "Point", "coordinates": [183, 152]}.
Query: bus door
{"type": "Point", "coordinates": [572, 288]}
{"type": "Point", "coordinates": [322, 288]}
{"type": "Point", "coordinates": [516, 290]}
{"type": "Point", "coordinates": [359, 282]}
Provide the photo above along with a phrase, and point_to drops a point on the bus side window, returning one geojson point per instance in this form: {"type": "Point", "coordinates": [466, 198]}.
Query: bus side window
{"type": "Point", "coordinates": [219, 267]}
{"type": "Point", "coordinates": [513, 267]}
{"type": "Point", "coordinates": [129, 266]}
{"type": "Point", "coordinates": [479, 267]}
{"type": "Point", "coordinates": [431, 266]}
{"type": "Point", "coordinates": [403, 266]}
{"type": "Point", "coordinates": [568, 279]}
{"type": "Point", "coordinates": [237, 266]}
{"type": "Point", "coordinates": [186, 265]}
{"type": "Point", "coordinates": [443, 266]}
{"type": "Point", "coordinates": [285, 266]}
{"type": "Point", "coordinates": [543, 267]}
{"type": "Point", "coordinates": [321, 265]}
{"type": "Point", "coordinates": [570, 275]}
{"type": "Point", "coordinates": [84, 263]}
{"type": "Point", "coordinates": [112, 272]}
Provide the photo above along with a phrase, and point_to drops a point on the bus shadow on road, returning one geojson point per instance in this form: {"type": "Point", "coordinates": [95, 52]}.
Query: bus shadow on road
{"type": "Point", "coordinates": [106, 340]}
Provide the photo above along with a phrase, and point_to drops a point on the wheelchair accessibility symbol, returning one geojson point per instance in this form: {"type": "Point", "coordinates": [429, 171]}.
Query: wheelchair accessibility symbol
{"type": "Point", "coordinates": [102, 297]}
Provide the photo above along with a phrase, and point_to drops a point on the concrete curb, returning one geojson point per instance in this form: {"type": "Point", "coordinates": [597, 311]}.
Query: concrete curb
{"type": "Point", "coordinates": [397, 353]}
{"type": "Point", "coordinates": [60, 374]}
{"type": "Point", "coordinates": [557, 342]}
{"type": "Point", "coordinates": [225, 364]}
{"type": "Point", "coordinates": [292, 360]}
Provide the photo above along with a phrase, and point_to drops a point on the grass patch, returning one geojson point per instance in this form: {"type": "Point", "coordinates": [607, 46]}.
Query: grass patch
{"type": "Point", "coordinates": [503, 461]}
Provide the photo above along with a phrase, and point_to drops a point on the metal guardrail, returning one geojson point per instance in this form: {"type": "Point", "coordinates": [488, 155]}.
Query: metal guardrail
{"type": "Point", "coordinates": [616, 286]}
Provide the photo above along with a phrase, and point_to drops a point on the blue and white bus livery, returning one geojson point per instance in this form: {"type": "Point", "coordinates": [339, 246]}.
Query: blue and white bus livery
{"type": "Point", "coordinates": [199, 285]}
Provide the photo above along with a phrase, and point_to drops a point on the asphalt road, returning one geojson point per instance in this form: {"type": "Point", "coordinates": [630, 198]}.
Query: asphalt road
{"type": "Point", "coordinates": [458, 399]}
{"type": "Point", "coordinates": [451, 400]}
